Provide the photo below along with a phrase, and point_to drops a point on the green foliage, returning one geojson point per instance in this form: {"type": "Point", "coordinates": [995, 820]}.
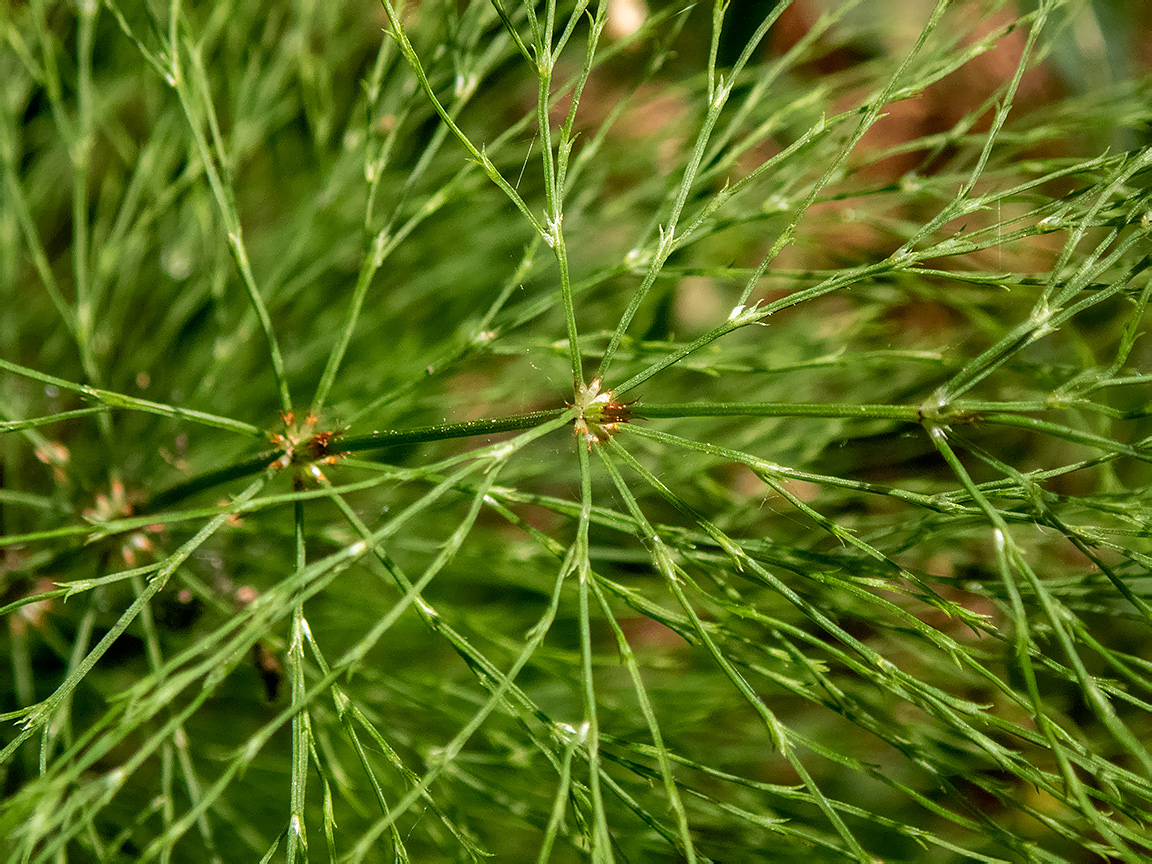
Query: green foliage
{"type": "Point", "coordinates": [847, 558]}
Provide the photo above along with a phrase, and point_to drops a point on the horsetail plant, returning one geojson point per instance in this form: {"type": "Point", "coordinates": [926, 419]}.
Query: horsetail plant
{"type": "Point", "coordinates": [576, 431]}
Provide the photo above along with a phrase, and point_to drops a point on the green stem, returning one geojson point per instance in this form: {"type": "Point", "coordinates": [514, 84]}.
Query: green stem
{"type": "Point", "coordinates": [490, 170]}
{"type": "Point", "coordinates": [199, 483]}
{"type": "Point", "coordinates": [910, 413]}
{"type": "Point", "coordinates": [119, 400]}
{"type": "Point", "coordinates": [372, 441]}
{"type": "Point", "coordinates": [38, 716]}
{"type": "Point", "coordinates": [443, 431]}
{"type": "Point", "coordinates": [222, 190]}
{"type": "Point", "coordinates": [297, 838]}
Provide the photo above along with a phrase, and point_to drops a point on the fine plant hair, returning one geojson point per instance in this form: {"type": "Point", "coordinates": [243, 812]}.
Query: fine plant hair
{"type": "Point", "coordinates": [440, 432]}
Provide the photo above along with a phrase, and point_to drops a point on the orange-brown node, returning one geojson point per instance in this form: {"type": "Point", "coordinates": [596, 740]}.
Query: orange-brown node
{"type": "Point", "coordinates": [600, 415]}
{"type": "Point", "coordinates": [303, 448]}
{"type": "Point", "coordinates": [118, 504]}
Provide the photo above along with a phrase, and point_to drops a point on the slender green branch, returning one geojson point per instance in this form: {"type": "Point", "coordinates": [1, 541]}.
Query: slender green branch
{"type": "Point", "coordinates": [223, 192]}
{"type": "Point", "coordinates": [663, 762]}
{"type": "Point", "coordinates": [132, 403]}
{"type": "Point", "coordinates": [479, 339]}
{"type": "Point", "coordinates": [666, 243]}
{"type": "Point", "coordinates": [353, 443]}
{"type": "Point", "coordinates": [653, 410]}
{"type": "Point", "coordinates": [443, 431]}
{"type": "Point", "coordinates": [37, 716]}
{"type": "Point", "coordinates": [16, 425]}
{"type": "Point", "coordinates": [301, 728]}
{"type": "Point", "coordinates": [1011, 566]}
{"type": "Point", "coordinates": [180, 491]}
{"type": "Point", "coordinates": [382, 242]}
{"type": "Point", "coordinates": [875, 106]}
{"type": "Point", "coordinates": [81, 153]}
{"type": "Point", "coordinates": [398, 33]}
{"type": "Point", "coordinates": [674, 578]}
{"type": "Point", "coordinates": [16, 201]}
{"type": "Point", "coordinates": [556, 170]}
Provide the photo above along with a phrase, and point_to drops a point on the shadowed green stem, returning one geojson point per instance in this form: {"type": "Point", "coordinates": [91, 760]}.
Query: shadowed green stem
{"type": "Point", "coordinates": [775, 409]}
{"type": "Point", "coordinates": [349, 444]}
{"type": "Point", "coordinates": [442, 431]}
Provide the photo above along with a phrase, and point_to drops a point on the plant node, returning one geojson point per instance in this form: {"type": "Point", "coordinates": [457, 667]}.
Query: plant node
{"type": "Point", "coordinates": [600, 414]}
{"type": "Point", "coordinates": [304, 449]}
{"type": "Point", "coordinates": [119, 503]}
